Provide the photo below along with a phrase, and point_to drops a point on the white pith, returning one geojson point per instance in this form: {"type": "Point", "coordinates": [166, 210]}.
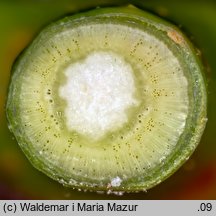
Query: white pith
{"type": "Point", "coordinates": [98, 91]}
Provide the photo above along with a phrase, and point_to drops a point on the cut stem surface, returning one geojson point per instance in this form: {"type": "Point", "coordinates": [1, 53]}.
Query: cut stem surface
{"type": "Point", "coordinates": [111, 99]}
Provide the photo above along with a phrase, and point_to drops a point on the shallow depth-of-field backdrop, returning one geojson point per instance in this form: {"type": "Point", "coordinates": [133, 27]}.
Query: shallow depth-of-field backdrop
{"type": "Point", "coordinates": [21, 20]}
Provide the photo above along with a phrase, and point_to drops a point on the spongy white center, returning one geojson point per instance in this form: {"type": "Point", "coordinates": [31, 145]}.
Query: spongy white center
{"type": "Point", "coordinates": [98, 91]}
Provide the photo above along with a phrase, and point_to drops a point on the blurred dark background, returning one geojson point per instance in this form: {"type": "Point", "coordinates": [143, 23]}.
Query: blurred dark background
{"type": "Point", "coordinates": [21, 20]}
